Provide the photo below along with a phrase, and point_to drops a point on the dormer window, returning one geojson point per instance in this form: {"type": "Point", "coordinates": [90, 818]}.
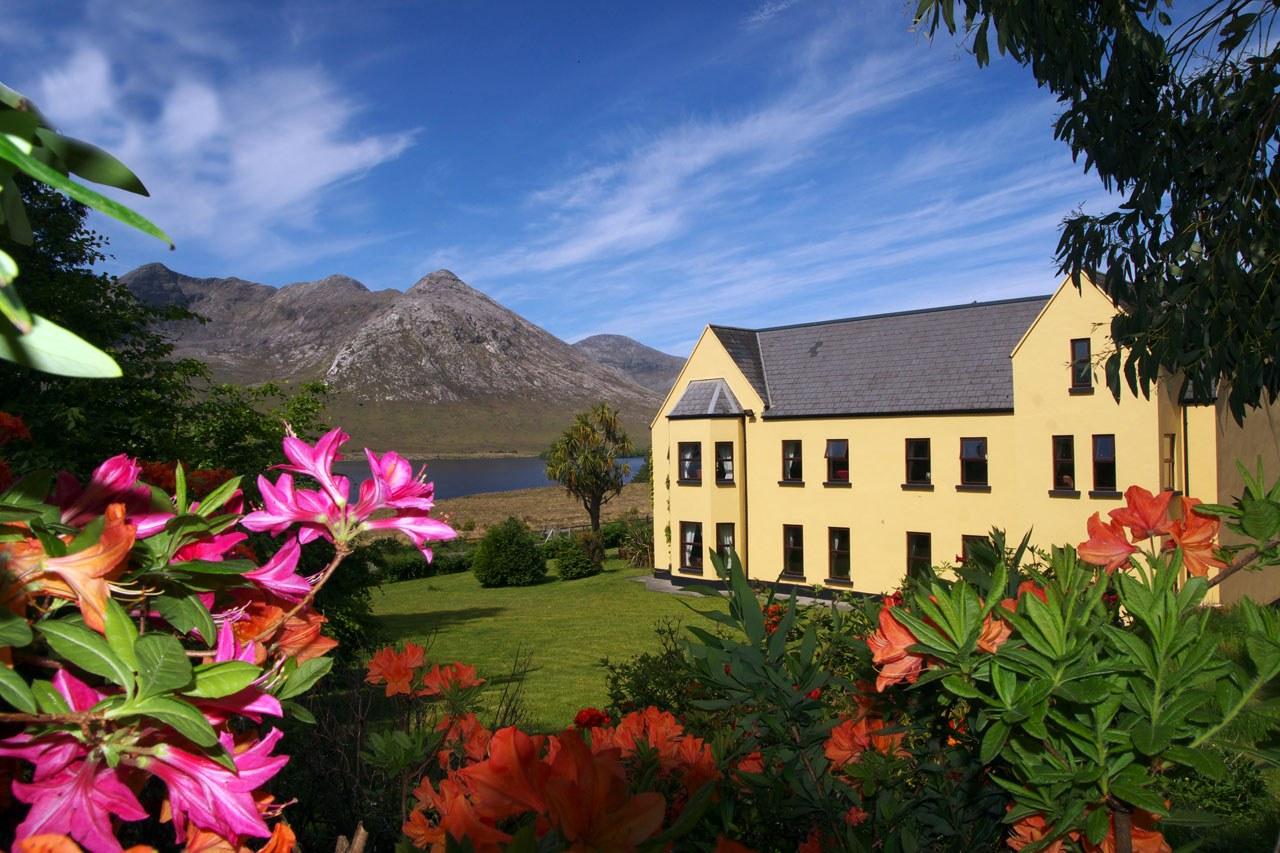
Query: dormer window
{"type": "Point", "coordinates": [1081, 365]}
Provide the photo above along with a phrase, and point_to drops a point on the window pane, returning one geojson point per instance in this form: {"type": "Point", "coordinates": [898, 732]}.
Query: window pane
{"type": "Point", "coordinates": [690, 460]}
{"type": "Point", "coordinates": [1064, 462]}
{"type": "Point", "coordinates": [792, 467]}
{"type": "Point", "coordinates": [919, 552]}
{"type": "Point", "coordinates": [837, 460]}
{"type": "Point", "coordinates": [973, 461]}
{"type": "Point", "coordinates": [918, 467]}
{"type": "Point", "coordinates": [793, 549]}
{"type": "Point", "coordinates": [724, 461]}
{"type": "Point", "coordinates": [1104, 463]}
{"type": "Point", "coordinates": [837, 448]}
{"type": "Point", "coordinates": [691, 545]}
{"type": "Point", "coordinates": [1081, 366]}
{"type": "Point", "coordinates": [839, 552]}
{"type": "Point", "coordinates": [724, 540]}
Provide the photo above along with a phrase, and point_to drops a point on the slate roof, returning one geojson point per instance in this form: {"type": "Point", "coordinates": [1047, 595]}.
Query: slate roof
{"type": "Point", "coordinates": [953, 359]}
{"type": "Point", "coordinates": [706, 398]}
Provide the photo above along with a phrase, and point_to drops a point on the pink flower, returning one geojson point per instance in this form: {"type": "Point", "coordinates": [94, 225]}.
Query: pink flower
{"type": "Point", "coordinates": [284, 506]}
{"type": "Point", "coordinates": [250, 702]}
{"type": "Point", "coordinates": [213, 548]}
{"type": "Point", "coordinates": [317, 462]}
{"type": "Point", "coordinates": [417, 526]}
{"type": "Point", "coordinates": [394, 478]}
{"type": "Point", "coordinates": [279, 574]}
{"type": "Point", "coordinates": [114, 481]}
{"type": "Point", "coordinates": [78, 800]}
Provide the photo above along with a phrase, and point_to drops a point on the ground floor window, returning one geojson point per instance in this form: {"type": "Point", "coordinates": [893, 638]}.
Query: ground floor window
{"type": "Point", "coordinates": [1064, 463]}
{"type": "Point", "coordinates": [691, 545]}
{"type": "Point", "coordinates": [919, 553]}
{"type": "Point", "coordinates": [967, 544]}
{"type": "Point", "coordinates": [839, 548]}
{"type": "Point", "coordinates": [724, 540]}
{"type": "Point", "coordinates": [1104, 463]}
{"type": "Point", "coordinates": [793, 549]}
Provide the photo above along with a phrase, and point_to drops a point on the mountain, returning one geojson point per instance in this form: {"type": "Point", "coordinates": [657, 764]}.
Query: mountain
{"type": "Point", "coordinates": [641, 364]}
{"type": "Point", "coordinates": [439, 369]}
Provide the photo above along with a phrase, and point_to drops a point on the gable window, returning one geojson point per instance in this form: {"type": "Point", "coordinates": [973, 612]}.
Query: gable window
{"type": "Point", "coordinates": [973, 461]}
{"type": "Point", "coordinates": [919, 554]}
{"type": "Point", "coordinates": [724, 540]}
{"type": "Point", "coordinates": [691, 545]}
{"type": "Point", "coordinates": [792, 467]}
{"type": "Point", "coordinates": [724, 461]}
{"type": "Point", "coordinates": [1104, 463]}
{"type": "Point", "coordinates": [1168, 467]}
{"type": "Point", "coordinates": [838, 546]}
{"type": "Point", "coordinates": [793, 550]}
{"type": "Point", "coordinates": [690, 462]}
{"type": "Point", "coordinates": [837, 460]}
{"type": "Point", "coordinates": [1081, 365]}
{"type": "Point", "coordinates": [1064, 463]}
{"type": "Point", "coordinates": [918, 464]}
{"type": "Point", "coordinates": [967, 544]}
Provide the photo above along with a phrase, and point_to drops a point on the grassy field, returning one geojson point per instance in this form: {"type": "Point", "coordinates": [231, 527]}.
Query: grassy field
{"type": "Point", "coordinates": [568, 626]}
{"type": "Point", "coordinates": [539, 508]}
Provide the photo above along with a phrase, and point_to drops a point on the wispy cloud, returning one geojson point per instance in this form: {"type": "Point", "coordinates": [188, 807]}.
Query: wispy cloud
{"type": "Point", "coordinates": [768, 11]}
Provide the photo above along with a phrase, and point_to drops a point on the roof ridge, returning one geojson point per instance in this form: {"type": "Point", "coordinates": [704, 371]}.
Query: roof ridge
{"type": "Point", "coordinates": [764, 373]}
{"type": "Point", "coordinates": [908, 313]}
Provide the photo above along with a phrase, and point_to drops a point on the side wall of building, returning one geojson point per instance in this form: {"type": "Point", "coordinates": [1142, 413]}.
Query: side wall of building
{"type": "Point", "coordinates": [1257, 438]}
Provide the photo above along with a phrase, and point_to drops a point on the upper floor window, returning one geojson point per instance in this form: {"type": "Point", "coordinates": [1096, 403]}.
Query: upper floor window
{"type": "Point", "coordinates": [1064, 463]}
{"type": "Point", "coordinates": [1104, 463]}
{"type": "Point", "coordinates": [1168, 457]}
{"type": "Point", "coordinates": [793, 550]}
{"type": "Point", "coordinates": [838, 539]}
{"type": "Point", "coordinates": [792, 467]}
{"type": "Point", "coordinates": [1081, 364]}
{"type": "Point", "coordinates": [690, 462]}
{"type": "Point", "coordinates": [837, 460]}
{"type": "Point", "coordinates": [691, 545]}
{"type": "Point", "coordinates": [724, 540]}
{"type": "Point", "coordinates": [919, 554]}
{"type": "Point", "coordinates": [973, 461]}
{"type": "Point", "coordinates": [918, 464]}
{"type": "Point", "coordinates": [724, 461]}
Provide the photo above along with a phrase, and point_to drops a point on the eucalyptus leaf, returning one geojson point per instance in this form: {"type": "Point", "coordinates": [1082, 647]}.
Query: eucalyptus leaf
{"type": "Point", "coordinates": [52, 349]}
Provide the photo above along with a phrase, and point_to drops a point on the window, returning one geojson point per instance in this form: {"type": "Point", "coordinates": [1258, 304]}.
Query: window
{"type": "Point", "coordinates": [919, 553]}
{"type": "Point", "coordinates": [918, 469]}
{"type": "Point", "coordinates": [690, 462]}
{"type": "Point", "coordinates": [967, 543]}
{"type": "Point", "coordinates": [1081, 364]}
{"type": "Point", "coordinates": [724, 540]}
{"type": "Point", "coordinates": [1104, 463]}
{"type": "Point", "coordinates": [1168, 467]}
{"type": "Point", "coordinates": [837, 460]}
{"type": "Point", "coordinates": [793, 550]}
{"type": "Point", "coordinates": [973, 461]}
{"type": "Point", "coordinates": [1064, 463]}
{"type": "Point", "coordinates": [838, 545]}
{"type": "Point", "coordinates": [792, 467]}
{"type": "Point", "coordinates": [691, 545]}
{"type": "Point", "coordinates": [724, 461]}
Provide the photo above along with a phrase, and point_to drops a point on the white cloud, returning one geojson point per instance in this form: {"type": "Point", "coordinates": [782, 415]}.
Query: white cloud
{"type": "Point", "coordinates": [768, 11]}
{"type": "Point", "coordinates": [80, 90]}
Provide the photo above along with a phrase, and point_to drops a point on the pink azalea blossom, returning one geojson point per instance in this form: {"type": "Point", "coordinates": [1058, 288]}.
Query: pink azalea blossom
{"type": "Point", "coordinates": [284, 506]}
{"type": "Point", "coordinates": [114, 481]}
{"type": "Point", "coordinates": [212, 548]}
{"type": "Point", "coordinates": [418, 527]}
{"type": "Point", "coordinates": [393, 477]}
{"type": "Point", "coordinates": [250, 702]}
{"type": "Point", "coordinates": [78, 800]}
{"type": "Point", "coordinates": [279, 574]}
{"type": "Point", "coordinates": [317, 462]}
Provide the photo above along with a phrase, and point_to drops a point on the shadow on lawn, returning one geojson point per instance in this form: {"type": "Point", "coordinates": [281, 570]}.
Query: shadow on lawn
{"type": "Point", "coordinates": [425, 624]}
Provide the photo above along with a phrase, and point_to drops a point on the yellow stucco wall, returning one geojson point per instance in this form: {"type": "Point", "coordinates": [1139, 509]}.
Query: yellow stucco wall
{"type": "Point", "coordinates": [1258, 438]}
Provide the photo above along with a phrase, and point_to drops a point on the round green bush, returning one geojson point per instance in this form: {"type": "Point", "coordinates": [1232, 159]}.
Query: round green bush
{"type": "Point", "coordinates": [557, 545]}
{"type": "Point", "coordinates": [593, 544]}
{"type": "Point", "coordinates": [508, 555]}
{"type": "Point", "coordinates": [574, 562]}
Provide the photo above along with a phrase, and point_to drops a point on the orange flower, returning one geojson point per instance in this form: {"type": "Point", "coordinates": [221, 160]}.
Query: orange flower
{"type": "Point", "coordinates": [462, 733]}
{"type": "Point", "coordinates": [752, 762]}
{"type": "Point", "coordinates": [1029, 830]}
{"type": "Point", "coordinates": [855, 816]}
{"type": "Point", "coordinates": [422, 832]}
{"type": "Point", "coordinates": [1106, 545]}
{"type": "Point", "coordinates": [889, 646]}
{"type": "Point", "coordinates": [395, 669]}
{"type": "Point", "coordinates": [301, 637]}
{"type": "Point", "coordinates": [588, 800]}
{"type": "Point", "coordinates": [460, 817]}
{"type": "Point", "coordinates": [994, 633]}
{"type": "Point", "coordinates": [83, 576]}
{"type": "Point", "coordinates": [1146, 515]}
{"type": "Point", "coordinates": [62, 844]}
{"type": "Point", "coordinates": [1195, 534]}
{"type": "Point", "coordinates": [451, 676]}
{"type": "Point", "coordinates": [812, 844]}
{"type": "Point", "coordinates": [1032, 588]}
{"type": "Point", "coordinates": [511, 782]}
{"type": "Point", "coordinates": [1144, 836]}
{"type": "Point", "coordinates": [282, 839]}
{"type": "Point", "coordinates": [847, 742]}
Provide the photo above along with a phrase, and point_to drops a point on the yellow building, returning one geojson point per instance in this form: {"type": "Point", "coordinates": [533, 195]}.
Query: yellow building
{"type": "Point", "coordinates": [840, 453]}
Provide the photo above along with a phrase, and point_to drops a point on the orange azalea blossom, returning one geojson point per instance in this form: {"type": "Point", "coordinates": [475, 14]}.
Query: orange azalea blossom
{"type": "Point", "coordinates": [995, 631]}
{"type": "Point", "coordinates": [1030, 830]}
{"type": "Point", "coordinates": [422, 833]}
{"type": "Point", "coordinates": [1145, 837]}
{"type": "Point", "coordinates": [463, 734]}
{"type": "Point", "coordinates": [1146, 515]}
{"type": "Point", "coordinates": [851, 738]}
{"type": "Point", "coordinates": [812, 844]}
{"type": "Point", "coordinates": [588, 801]}
{"type": "Point", "coordinates": [511, 781]}
{"type": "Point", "coordinates": [62, 844]}
{"type": "Point", "coordinates": [677, 751]}
{"type": "Point", "coordinates": [395, 669]}
{"type": "Point", "coordinates": [752, 762]}
{"type": "Point", "coordinates": [199, 840]}
{"type": "Point", "coordinates": [1106, 546]}
{"type": "Point", "coordinates": [83, 576]}
{"type": "Point", "coordinates": [855, 816]}
{"type": "Point", "coordinates": [1195, 535]}
{"type": "Point", "coordinates": [451, 676]}
{"type": "Point", "coordinates": [889, 646]}
{"type": "Point", "coordinates": [460, 818]}
{"type": "Point", "coordinates": [301, 638]}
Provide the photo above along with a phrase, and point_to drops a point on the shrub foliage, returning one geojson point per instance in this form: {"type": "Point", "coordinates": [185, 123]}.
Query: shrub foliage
{"type": "Point", "coordinates": [508, 555]}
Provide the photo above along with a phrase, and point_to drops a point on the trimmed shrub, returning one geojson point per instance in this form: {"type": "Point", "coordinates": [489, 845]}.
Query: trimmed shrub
{"type": "Point", "coordinates": [559, 545]}
{"type": "Point", "coordinates": [574, 562]}
{"type": "Point", "coordinates": [593, 544]}
{"type": "Point", "coordinates": [508, 555]}
{"type": "Point", "coordinates": [392, 560]}
{"type": "Point", "coordinates": [613, 533]}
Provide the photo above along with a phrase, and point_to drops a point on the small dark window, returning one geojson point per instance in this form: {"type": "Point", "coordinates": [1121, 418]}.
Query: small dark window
{"type": "Point", "coordinates": [792, 467]}
{"type": "Point", "coordinates": [966, 545]}
{"type": "Point", "coordinates": [724, 461]}
{"type": "Point", "coordinates": [839, 546]}
{"type": "Point", "coordinates": [1064, 463]}
{"type": "Point", "coordinates": [973, 461]}
{"type": "Point", "coordinates": [837, 460]}
{"type": "Point", "coordinates": [793, 550]}
{"type": "Point", "coordinates": [724, 540]}
{"type": "Point", "coordinates": [1168, 465]}
{"type": "Point", "coordinates": [919, 554]}
{"type": "Point", "coordinates": [1081, 364]}
{"type": "Point", "coordinates": [691, 545]}
{"type": "Point", "coordinates": [918, 466]}
{"type": "Point", "coordinates": [1104, 463]}
{"type": "Point", "coordinates": [690, 462]}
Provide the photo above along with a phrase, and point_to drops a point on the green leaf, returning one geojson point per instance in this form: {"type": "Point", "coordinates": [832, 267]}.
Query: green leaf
{"type": "Point", "coordinates": [993, 740]}
{"type": "Point", "coordinates": [183, 718]}
{"type": "Point", "coordinates": [960, 687]}
{"type": "Point", "coordinates": [299, 713]}
{"type": "Point", "coordinates": [14, 630]}
{"type": "Point", "coordinates": [215, 680]}
{"type": "Point", "coordinates": [16, 692]}
{"type": "Point", "coordinates": [214, 567]}
{"type": "Point", "coordinates": [1204, 761]}
{"type": "Point", "coordinates": [304, 677]}
{"type": "Point", "coordinates": [48, 699]}
{"type": "Point", "coordinates": [41, 172]}
{"type": "Point", "coordinates": [90, 162]}
{"type": "Point", "coordinates": [162, 664]}
{"type": "Point", "coordinates": [187, 615]}
{"type": "Point", "coordinates": [1261, 519]}
{"type": "Point", "coordinates": [86, 650]}
{"type": "Point", "coordinates": [121, 633]}
{"type": "Point", "coordinates": [52, 349]}
{"type": "Point", "coordinates": [214, 501]}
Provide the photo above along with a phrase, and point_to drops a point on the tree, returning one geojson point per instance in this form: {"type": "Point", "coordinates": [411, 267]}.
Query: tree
{"type": "Point", "coordinates": [1182, 119]}
{"type": "Point", "coordinates": [585, 459]}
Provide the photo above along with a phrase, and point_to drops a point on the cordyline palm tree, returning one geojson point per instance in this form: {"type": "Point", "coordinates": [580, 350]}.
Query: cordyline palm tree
{"type": "Point", "coordinates": [585, 459]}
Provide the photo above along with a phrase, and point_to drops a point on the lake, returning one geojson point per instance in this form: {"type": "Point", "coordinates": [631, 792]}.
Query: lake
{"type": "Point", "coordinates": [455, 478]}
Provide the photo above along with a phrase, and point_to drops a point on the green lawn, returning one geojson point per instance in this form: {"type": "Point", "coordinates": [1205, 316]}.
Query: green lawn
{"type": "Point", "coordinates": [567, 625]}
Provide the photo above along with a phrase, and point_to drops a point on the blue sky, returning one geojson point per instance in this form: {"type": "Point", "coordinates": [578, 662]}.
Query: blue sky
{"type": "Point", "coordinates": [642, 169]}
